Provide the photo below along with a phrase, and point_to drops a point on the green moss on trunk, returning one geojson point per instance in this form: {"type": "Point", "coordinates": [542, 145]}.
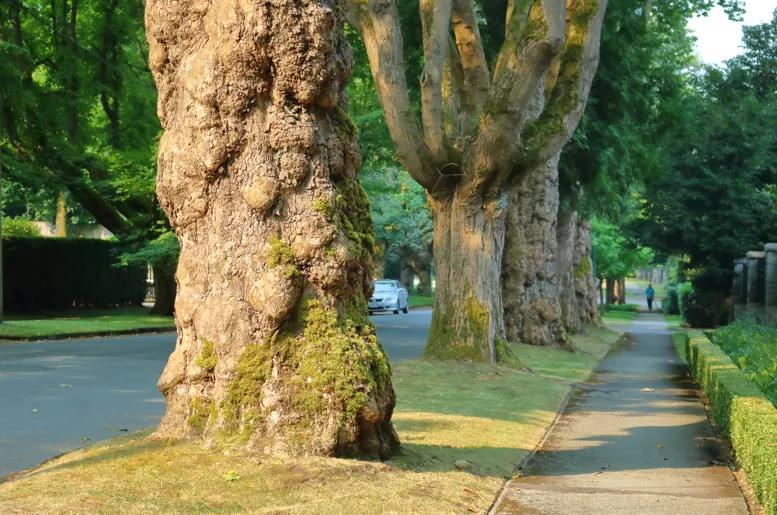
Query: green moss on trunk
{"type": "Point", "coordinates": [453, 336]}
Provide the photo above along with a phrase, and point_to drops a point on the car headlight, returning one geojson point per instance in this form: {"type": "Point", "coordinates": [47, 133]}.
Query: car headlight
{"type": "Point", "coordinates": [390, 298]}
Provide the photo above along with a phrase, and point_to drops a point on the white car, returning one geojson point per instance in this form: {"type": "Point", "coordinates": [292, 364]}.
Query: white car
{"type": "Point", "coordinates": [388, 295]}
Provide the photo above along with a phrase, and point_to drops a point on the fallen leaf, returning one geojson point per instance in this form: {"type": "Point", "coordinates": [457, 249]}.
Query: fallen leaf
{"type": "Point", "coordinates": [659, 446]}
{"type": "Point", "coordinates": [231, 476]}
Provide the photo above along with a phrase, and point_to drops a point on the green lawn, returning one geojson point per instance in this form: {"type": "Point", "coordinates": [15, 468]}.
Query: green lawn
{"type": "Point", "coordinates": [82, 322]}
{"type": "Point", "coordinates": [417, 301]}
{"type": "Point", "coordinates": [753, 348]}
{"type": "Point", "coordinates": [618, 316]}
{"type": "Point", "coordinates": [679, 338]}
{"type": "Point", "coordinates": [490, 416]}
{"type": "Point", "coordinates": [674, 321]}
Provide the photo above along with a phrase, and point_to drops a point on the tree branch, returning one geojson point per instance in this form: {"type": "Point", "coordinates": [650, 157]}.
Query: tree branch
{"type": "Point", "coordinates": [435, 23]}
{"type": "Point", "coordinates": [569, 93]}
{"type": "Point", "coordinates": [378, 22]}
{"type": "Point", "coordinates": [477, 79]}
{"type": "Point", "coordinates": [515, 100]}
{"type": "Point", "coordinates": [455, 115]}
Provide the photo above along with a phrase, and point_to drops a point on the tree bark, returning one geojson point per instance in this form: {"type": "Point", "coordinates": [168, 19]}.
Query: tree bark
{"type": "Point", "coordinates": [422, 266]}
{"type": "Point", "coordinates": [529, 275]}
{"type": "Point", "coordinates": [60, 222]}
{"type": "Point", "coordinates": [468, 245]}
{"type": "Point", "coordinates": [586, 289]}
{"type": "Point", "coordinates": [610, 291]}
{"type": "Point", "coordinates": [566, 235]}
{"type": "Point", "coordinates": [257, 173]}
{"type": "Point", "coordinates": [406, 273]}
{"type": "Point", "coordinates": [164, 291]}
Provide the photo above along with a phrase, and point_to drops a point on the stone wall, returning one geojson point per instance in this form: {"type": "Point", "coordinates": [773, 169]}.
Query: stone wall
{"type": "Point", "coordinates": [754, 288]}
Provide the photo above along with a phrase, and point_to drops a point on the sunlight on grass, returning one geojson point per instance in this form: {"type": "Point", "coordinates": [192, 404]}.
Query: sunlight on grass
{"type": "Point", "coordinates": [447, 411]}
{"type": "Point", "coordinates": [83, 322]}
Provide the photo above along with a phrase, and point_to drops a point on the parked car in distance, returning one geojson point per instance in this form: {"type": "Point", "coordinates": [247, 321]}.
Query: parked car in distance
{"type": "Point", "coordinates": [388, 295]}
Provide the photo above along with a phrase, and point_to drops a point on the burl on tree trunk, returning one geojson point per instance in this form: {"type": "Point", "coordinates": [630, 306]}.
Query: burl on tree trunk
{"type": "Point", "coordinates": [257, 173]}
{"type": "Point", "coordinates": [485, 126]}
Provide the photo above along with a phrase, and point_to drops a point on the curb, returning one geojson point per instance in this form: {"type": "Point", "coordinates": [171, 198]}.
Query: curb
{"type": "Point", "coordinates": [87, 334]}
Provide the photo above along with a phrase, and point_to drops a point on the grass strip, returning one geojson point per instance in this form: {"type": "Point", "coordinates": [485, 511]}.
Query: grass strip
{"type": "Point", "coordinates": [83, 322]}
{"type": "Point", "coordinates": [448, 412]}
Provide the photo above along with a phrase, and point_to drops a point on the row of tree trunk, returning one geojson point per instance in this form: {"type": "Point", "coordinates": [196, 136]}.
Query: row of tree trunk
{"type": "Point", "coordinates": [548, 284]}
{"type": "Point", "coordinates": [257, 174]}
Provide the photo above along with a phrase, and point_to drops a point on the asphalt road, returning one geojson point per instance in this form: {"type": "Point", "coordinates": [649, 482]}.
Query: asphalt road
{"type": "Point", "coordinates": [59, 395]}
{"type": "Point", "coordinates": [635, 439]}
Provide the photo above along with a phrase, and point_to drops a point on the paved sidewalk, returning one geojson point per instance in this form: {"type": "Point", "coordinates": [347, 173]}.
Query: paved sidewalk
{"type": "Point", "coordinates": [635, 439]}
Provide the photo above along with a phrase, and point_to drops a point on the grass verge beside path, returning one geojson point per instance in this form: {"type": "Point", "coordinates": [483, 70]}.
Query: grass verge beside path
{"type": "Point", "coordinates": [490, 416]}
{"type": "Point", "coordinates": [82, 322]}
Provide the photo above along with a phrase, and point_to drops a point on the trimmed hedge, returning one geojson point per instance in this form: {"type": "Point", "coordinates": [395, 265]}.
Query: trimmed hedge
{"type": "Point", "coordinates": [742, 411]}
{"type": "Point", "coordinates": [53, 273]}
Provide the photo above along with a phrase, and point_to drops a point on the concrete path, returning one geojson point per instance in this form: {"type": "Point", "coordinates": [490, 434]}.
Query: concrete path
{"type": "Point", "coordinates": [59, 395]}
{"type": "Point", "coordinates": [634, 439]}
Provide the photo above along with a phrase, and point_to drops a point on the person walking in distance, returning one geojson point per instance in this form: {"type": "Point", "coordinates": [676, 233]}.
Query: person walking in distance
{"type": "Point", "coordinates": [650, 294]}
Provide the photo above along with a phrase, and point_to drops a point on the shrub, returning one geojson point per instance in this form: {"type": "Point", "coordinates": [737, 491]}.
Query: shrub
{"type": "Point", "coordinates": [54, 273]}
{"type": "Point", "coordinates": [703, 309]}
{"type": "Point", "coordinates": [671, 304]}
{"type": "Point", "coordinates": [19, 227]}
{"type": "Point", "coordinates": [743, 412]}
{"type": "Point", "coordinates": [753, 348]}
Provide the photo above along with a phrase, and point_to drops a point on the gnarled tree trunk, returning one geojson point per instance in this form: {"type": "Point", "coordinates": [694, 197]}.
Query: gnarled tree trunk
{"type": "Point", "coordinates": [566, 236]}
{"type": "Point", "coordinates": [257, 173]}
{"type": "Point", "coordinates": [586, 289]}
{"type": "Point", "coordinates": [529, 275]}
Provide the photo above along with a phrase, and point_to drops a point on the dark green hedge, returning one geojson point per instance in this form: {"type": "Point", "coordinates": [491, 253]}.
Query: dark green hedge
{"type": "Point", "coordinates": [742, 411]}
{"type": "Point", "coordinates": [53, 273]}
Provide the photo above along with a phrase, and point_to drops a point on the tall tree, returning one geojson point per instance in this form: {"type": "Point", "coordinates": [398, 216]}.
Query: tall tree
{"type": "Point", "coordinates": [484, 127]}
{"type": "Point", "coordinates": [635, 100]}
{"type": "Point", "coordinates": [717, 198]}
{"type": "Point", "coordinates": [257, 173]}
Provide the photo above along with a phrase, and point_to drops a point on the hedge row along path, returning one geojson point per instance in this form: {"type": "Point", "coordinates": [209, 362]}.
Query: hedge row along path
{"type": "Point", "coordinates": [635, 439]}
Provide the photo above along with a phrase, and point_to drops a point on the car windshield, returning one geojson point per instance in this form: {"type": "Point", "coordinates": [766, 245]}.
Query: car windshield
{"type": "Point", "coordinates": [384, 286]}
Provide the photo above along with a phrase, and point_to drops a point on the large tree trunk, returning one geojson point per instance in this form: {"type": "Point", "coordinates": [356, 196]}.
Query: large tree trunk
{"type": "Point", "coordinates": [585, 285]}
{"type": "Point", "coordinates": [257, 173]}
{"type": "Point", "coordinates": [406, 273]}
{"type": "Point", "coordinates": [164, 291]}
{"type": "Point", "coordinates": [529, 276]}
{"type": "Point", "coordinates": [468, 244]}
{"type": "Point", "coordinates": [610, 292]}
{"type": "Point", "coordinates": [422, 266]}
{"type": "Point", "coordinates": [566, 234]}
